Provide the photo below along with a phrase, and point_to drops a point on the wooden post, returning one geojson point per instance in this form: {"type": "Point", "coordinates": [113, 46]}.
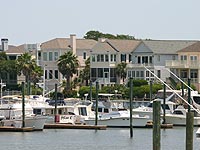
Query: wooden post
{"type": "Point", "coordinates": [23, 106]}
{"type": "Point", "coordinates": [150, 94]}
{"type": "Point", "coordinates": [96, 110]}
{"type": "Point", "coordinates": [182, 88]}
{"type": "Point", "coordinates": [189, 123]}
{"type": "Point", "coordinates": [164, 100]}
{"type": "Point", "coordinates": [55, 111]}
{"type": "Point", "coordinates": [131, 107]}
{"type": "Point", "coordinates": [90, 90]}
{"type": "Point", "coordinates": [156, 125]}
{"type": "Point", "coordinates": [189, 130]}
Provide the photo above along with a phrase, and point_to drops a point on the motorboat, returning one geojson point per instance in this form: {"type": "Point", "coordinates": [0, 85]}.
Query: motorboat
{"type": "Point", "coordinates": [119, 119]}
{"type": "Point", "coordinates": [11, 109]}
{"type": "Point", "coordinates": [178, 117]}
{"type": "Point", "coordinates": [195, 97]}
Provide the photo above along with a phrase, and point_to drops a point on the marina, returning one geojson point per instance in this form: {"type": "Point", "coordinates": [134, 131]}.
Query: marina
{"type": "Point", "coordinates": [111, 139]}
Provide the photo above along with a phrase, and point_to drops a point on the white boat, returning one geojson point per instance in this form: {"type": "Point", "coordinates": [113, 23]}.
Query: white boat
{"type": "Point", "coordinates": [12, 111]}
{"type": "Point", "coordinates": [119, 119]}
{"type": "Point", "coordinates": [178, 117]}
{"type": "Point", "coordinates": [170, 104]}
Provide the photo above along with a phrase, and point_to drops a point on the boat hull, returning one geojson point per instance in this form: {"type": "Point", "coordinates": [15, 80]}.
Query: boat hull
{"type": "Point", "coordinates": [120, 122]}
{"type": "Point", "coordinates": [36, 122]}
{"type": "Point", "coordinates": [179, 120]}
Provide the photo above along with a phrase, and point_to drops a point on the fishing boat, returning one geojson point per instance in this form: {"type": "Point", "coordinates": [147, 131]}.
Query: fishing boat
{"type": "Point", "coordinates": [119, 119]}
{"type": "Point", "coordinates": [11, 109]}
{"type": "Point", "coordinates": [178, 117]}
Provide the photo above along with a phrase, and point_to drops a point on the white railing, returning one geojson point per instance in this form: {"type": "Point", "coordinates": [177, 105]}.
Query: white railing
{"type": "Point", "coordinates": [182, 64]}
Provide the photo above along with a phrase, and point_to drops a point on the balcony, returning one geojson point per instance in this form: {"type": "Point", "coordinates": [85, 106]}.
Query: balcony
{"type": "Point", "coordinates": [184, 64]}
{"type": "Point", "coordinates": [139, 65]}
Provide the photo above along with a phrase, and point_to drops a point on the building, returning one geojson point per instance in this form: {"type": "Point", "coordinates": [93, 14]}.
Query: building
{"type": "Point", "coordinates": [187, 64]}
{"type": "Point", "coordinates": [51, 51]}
{"type": "Point", "coordinates": [153, 54]}
{"type": "Point", "coordinates": [106, 55]}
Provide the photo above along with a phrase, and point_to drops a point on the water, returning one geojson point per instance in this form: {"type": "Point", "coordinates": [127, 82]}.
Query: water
{"type": "Point", "coordinates": [110, 139]}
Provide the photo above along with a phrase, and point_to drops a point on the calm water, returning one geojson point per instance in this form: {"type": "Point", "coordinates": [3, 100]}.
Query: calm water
{"type": "Point", "coordinates": [110, 139]}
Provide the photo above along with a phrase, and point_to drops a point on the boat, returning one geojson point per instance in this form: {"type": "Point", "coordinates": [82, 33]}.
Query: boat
{"type": "Point", "coordinates": [119, 119]}
{"type": "Point", "coordinates": [178, 117]}
{"type": "Point", "coordinates": [171, 102]}
{"type": "Point", "coordinates": [11, 109]}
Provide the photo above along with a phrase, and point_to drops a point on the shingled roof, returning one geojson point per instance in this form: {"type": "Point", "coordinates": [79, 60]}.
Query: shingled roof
{"type": "Point", "coordinates": [103, 47]}
{"type": "Point", "coordinates": [124, 45]}
{"type": "Point", "coordinates": [167, 46]}
{"type": "Point", "coordinates": [64, 43]}
{"type": "Point", "coordinates": [192, 48]}
{"type": "Point", "coordinates": [14, 50]}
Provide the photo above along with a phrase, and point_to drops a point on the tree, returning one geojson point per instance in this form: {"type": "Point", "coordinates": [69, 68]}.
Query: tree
{"type": "Point", "coordinates": [25, 64]}
{"type": "Point", "coordinates": [96, 34]}
{"type": "Point", "coordinates": [121, 70]}
{"type": "Point", "coordinates": [68, 66]}
{"type": "Point", "coordinates": [36, 74]}
{"type": "Point", "coordinates": [85, 73]}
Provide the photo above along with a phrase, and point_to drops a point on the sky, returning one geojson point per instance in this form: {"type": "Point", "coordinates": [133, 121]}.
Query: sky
{"type": "Point", "coordinates": [37, 21]}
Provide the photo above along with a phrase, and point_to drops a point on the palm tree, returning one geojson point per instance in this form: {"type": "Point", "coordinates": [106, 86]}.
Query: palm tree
{"type": "Point", "coordinates": [68, 66]}
{"type": "Point", "coordinates": [25, 64]}
{"type": "Point", "coordinates": [85, 73]}
{"type": "Point", "coordinates": [36, 74]}
{"type": "Point", "coordinates": [121, 70]}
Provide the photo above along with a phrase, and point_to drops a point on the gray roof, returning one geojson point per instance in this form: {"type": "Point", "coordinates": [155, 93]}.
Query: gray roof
{"type": "Point", "coordinates": [13, 50]}
{"type": "Point", "coordinates": [167, 46]}
{"type": "Point", "coordinates": [103, 47]}
{"type": "Point", "coordinates": [64, 43]}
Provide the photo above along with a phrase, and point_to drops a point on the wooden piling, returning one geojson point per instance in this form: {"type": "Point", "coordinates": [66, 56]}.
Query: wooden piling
{"type": "Point", "coordinates": [23, 106]}
{"type": "Point", "coordinates": [96, 108]}
{"type": "Point", "coordinates": [164, 102]}
{"type": "Point", "coordinates": [189, 130]}
{"type": "Point", "coordinates": [156, 125]}
{"type": "Point", "coordinates": [131, 107]}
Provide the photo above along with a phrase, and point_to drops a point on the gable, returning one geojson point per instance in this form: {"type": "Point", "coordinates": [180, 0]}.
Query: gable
{"type": "Point", "coordinates": [142, 48]}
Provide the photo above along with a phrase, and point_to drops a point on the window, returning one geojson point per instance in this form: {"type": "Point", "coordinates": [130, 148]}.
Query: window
{"type": "Point", "coordinates": [144, 59]}
{"type": "Point", "coordinates": [50, 56]}
{"type": "Point", "coordinates": [123, 57]}
{"type": "Point", "coordinates": [93, 58]}
{"type": "Point", "coordinates": [84, 55]}
{"type": "Point", "coordinates": [158, 58]}
{"type": "Point", "coordinates": [100, 72]}
{"type": "Point", "coordinates": [113, 58]}
{"type": "Point", "coordinates": [50, 74]}
{"type": "Point", "coordinates": [193, 73]}
{"type": "Point", "coordinates": [183, 57]}
{"type": "Point", "coordinates": [150, 59]}
{"type": "Point", "coordinates": [193, 58]}
{"type": "Point", "coordinates": [98, 58]}
{"type": "Point", "coordinates": [129, 74]}
{"type": "Point", "coordinates": [159, 73]}
{"type": "Point", "coordinates": [129, 57]}
{"type": "Point", "coordinates": [44, 56]}
{"type": "Point", "coordinates": [106, 58]}
{"type": "Point", "coordinates": [56, 74]}
{"type": "Point", "coordinates": [183, 73]}
{"type": "Point", "coordinates": [55, 56]}
{"type": "Point", "coordinates": [173, 57]}
{"type": "Point", "coordinates": [102, 58]}
{"type": "Point", "coordinates": [139, 59]}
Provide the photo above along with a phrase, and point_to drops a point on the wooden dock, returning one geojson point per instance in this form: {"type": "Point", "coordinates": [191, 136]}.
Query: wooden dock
{"type": "Point", "coordinates": [76, 126]}
{"type": "Point", "coordinates": [14, 129]}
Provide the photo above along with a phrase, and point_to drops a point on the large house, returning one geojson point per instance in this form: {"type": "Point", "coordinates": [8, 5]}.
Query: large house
{"type": "Point", "coordinates": [152, 54]}
{"type": "Point", "coordinates": [51, 51]}
{"type": "Point", "coordinates": [187, 65]}
{"type": "Point", "coordinates": [106, 55]}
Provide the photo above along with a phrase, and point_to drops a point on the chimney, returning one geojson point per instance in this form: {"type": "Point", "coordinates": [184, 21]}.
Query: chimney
{"type": "Point", "coordinates": [73, 43]}
{"type": "Point", "coordinates": [4, 44]}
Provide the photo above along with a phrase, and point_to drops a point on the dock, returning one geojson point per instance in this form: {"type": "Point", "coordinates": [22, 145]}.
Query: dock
{"type": "Point", "coordinates": [76, 126]}
{"type": "Point", "coordinates": [14, 129]}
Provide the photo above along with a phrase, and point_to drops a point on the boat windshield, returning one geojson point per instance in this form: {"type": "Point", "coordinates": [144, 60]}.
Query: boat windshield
{"type": "Point", "coordinates": [196, 99]}
{"type": "Point", "coordinates": [160, 95]}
